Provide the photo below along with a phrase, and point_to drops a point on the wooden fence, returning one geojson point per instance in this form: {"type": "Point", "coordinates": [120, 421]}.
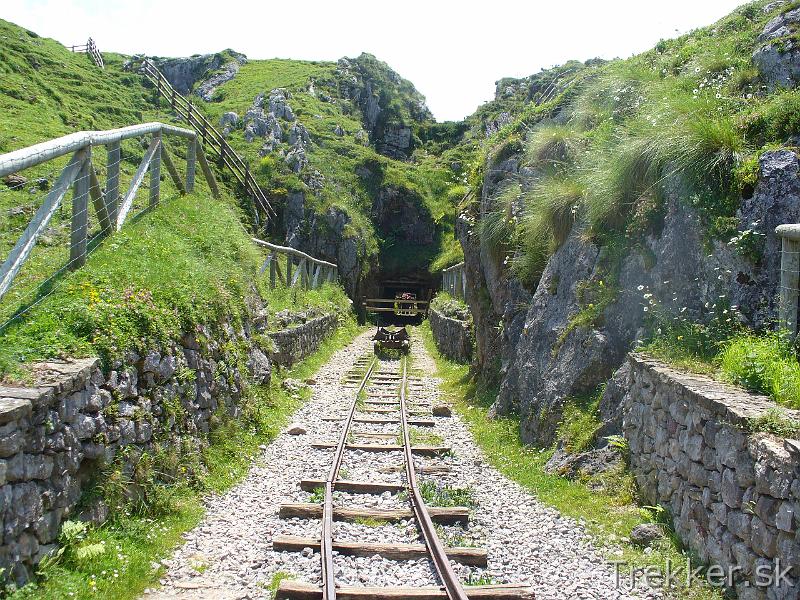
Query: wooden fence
{"type": "Point", "coordinates": [454, 281]}
{"type": "Point", "coordinates": [298, 267]}
{"type": "Point", "coordinates": [91, 49]}
{"type": "Point", "coordinates": [111, 207]}
{"type": "Point", "coordinates": [212, 139]}
{"type": "Point", "coordinates": [790, 277]}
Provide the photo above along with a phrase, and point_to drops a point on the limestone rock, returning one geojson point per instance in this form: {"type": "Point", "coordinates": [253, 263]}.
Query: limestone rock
{"type": "Point", "coordinates": [292, 385]}
{"type": "Point", "coordinates": [646, 533]}
{"type": "Point", "coordinates": [442, 410]}
{"type": "Point", "coordinates": [778, 56]}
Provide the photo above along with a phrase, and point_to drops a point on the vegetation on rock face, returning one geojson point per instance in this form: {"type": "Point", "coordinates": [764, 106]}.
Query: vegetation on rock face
{"type": "Point", "coordinates": [604, 149]}
{"type": "Point", "coordinates": [346, 169]}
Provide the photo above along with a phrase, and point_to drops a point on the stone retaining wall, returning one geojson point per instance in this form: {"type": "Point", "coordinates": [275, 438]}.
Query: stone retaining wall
{"type": "Point", "coordinates": [294, 344]}
{"type": "Point", "coordinates": [453, 337]}
{"type": "Point", "coordinates": [60, 432]}
{"type": "Point", "coordinates": [734, 496]}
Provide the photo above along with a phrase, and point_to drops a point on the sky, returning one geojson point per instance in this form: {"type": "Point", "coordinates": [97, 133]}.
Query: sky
{"type": "Point", "coordinates": [453, 51]}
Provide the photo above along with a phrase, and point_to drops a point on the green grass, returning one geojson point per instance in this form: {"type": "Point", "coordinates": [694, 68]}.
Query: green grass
{"type": "Point", "coordinates": [143, 286]}
{"type": "Point", "coordinates": [580, 423]}
{"type": "Point", "coordinates": [445, 495]}
{"type": "Point", "coordinates": [134, 542]}
{"type": "Point", "coordinates": [766, 364]}
{"type": "Point", "coordinates": [607, 517]}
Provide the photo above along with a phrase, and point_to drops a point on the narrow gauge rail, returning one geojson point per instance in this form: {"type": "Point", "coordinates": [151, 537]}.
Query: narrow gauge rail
{"type": "Point", "coordinates": [451, 589]}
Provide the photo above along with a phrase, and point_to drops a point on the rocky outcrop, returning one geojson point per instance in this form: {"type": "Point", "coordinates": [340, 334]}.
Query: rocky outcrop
{"type": "Point", "coordinates": [453, 336]}
{"type": "Point", "coordinates": [775, 201]}
{"type": "Point", "coordinates": [76, 421]}
{"type": "Point", "coordinates": [328, 236]}
{"type": "Point", "coordinates": [574, 332]}
{"type": "Point", "coordinates": [263, 122]}
{"type": "Point", "coordinates": [215, 69]}
{"type": "Point", "coordinates": [778, 56]}
{"type": "Point", "coordinates": [732, 496]}
{"type": "Point", "coordinates": [388, 103]}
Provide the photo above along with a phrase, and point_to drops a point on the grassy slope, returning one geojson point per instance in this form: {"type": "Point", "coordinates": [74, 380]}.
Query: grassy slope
{"type": "Point", "coordinates": [337, 158]}
{"type": "Point", "coordinates": [608, 517]}
{"type": "Point", "coordinates": [163, 272]}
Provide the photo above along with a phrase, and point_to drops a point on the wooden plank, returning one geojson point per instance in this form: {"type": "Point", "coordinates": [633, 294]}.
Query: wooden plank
{"type": "Point", "coordinates": [98, 201]}
{"type": "Point", "coordinates": [308, 510]}
{"type": "Point", "coordinates": [475, 557]}
{"type": "Point", "coordinates": [293, 251]}
{"type": "Point", "coordinates": [138, 177]}
{"type": "Point", "coordinates": [22, 249]}
{"type": "Point", "coordinates": [301, 268]}
{"type": "Point", "coordinates": [173, 172]}
{"type": "Point", "coordinates": [289, 267]}
{"type": "Point", "coordinates": [383, 421]}
{"type": "Point", "coordinates": [207, 173]}
{"type": "Point", "coordinates": [353, 487]}
{"type": "Point", "coordinates": [113, 157]}
{"type": "Point", "coordinates": [419, 450]}
{"type": "Point", "coordinates": [155, 173]}
{"type": "Point", "coordinates": [375, 436]}
{"type": "Point", "coordinates": [299, 590]}
{"type": "Point", "coordinates": [79, 226]}
{"type": "Point", "coordinates": [191, 163]}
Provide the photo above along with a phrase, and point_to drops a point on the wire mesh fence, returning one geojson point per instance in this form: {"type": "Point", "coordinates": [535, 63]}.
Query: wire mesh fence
{"type": "Point", "coordinates": [60, 199]}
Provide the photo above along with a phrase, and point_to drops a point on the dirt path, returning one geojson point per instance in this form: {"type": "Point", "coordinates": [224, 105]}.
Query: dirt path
{"type": "Point", "coordinates": [229, 555]}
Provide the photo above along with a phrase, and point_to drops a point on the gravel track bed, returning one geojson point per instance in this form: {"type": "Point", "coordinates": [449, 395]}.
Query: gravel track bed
{"type": "Point", "coordinates": [229, 555]}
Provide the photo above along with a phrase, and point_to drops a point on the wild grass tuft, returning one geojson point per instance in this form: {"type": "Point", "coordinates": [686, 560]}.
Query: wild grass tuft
{"type": "Point", "coordinates": [766, 364]}
{"type": "Point", "coordinates": [498, 226]}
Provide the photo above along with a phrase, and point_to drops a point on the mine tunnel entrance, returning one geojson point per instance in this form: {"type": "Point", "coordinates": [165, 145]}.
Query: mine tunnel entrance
{"type": "Point", "coordinates": [399, 300]}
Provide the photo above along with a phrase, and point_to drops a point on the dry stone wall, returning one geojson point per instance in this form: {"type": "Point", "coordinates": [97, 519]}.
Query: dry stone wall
{"type": "Point", "coordinates": [453, 337]}
{"type": "Point", "coordinates": [734, 496]}
{"type": "Point", "coordinates": [61, 432]}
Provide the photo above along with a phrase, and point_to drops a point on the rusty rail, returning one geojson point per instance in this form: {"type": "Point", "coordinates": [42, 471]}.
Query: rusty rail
{"type": "Point", "coordinates": [226, 156]}
{"type": "Point", "coordinates": [328, 579]}
{"type": "Point", "coordinates": [453, 587]}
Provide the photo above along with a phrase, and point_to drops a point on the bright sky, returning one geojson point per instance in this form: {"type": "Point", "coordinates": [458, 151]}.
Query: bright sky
{"type": "Point", "coordinates": [452, 50]}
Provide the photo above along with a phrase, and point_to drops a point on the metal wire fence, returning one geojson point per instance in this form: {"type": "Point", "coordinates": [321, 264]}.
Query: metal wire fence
{"type": "Point", "coordinates": [43, 236]}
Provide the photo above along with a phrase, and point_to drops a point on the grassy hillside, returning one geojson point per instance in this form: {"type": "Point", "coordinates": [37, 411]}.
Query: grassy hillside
{"type": "Point", "coordinates": [693, 105]}
{"type": "Point", "coordinates": [318, 103]}
{"type": "Point", "coordinates": [163, 273]}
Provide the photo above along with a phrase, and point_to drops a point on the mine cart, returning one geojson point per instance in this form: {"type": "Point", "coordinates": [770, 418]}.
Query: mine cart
{"type": "Point", "coordinates": [391, 339]}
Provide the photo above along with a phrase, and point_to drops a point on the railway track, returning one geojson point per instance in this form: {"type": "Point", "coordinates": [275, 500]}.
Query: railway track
{"type": "Point", "coordinates": [382, 418]}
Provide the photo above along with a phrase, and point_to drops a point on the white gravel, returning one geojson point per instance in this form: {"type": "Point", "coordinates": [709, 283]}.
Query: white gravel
{"type": "Point", "coordinates": [229, 555]}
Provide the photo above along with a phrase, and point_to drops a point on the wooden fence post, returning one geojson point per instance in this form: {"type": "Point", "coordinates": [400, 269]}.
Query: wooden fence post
{"type": "Point", "coordinates": [273, 267]}
{"type": "Point", "coordinates": [80, 215]}
{"type": "Point", "coordinates": [207, 172]}
{"type": "Point", "coordinates": [155, 172]}
{"type": "Point", "coordinates": [289, 265]}
{"type": "Point", "coordinates": [113, 157]}
{"type": "Point", "coordinates": [191, 164]}
{"type": "Point", "coordinates": [790, 277]}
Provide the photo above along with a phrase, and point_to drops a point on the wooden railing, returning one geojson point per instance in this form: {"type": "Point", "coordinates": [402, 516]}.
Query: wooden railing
{"type": "Point", "coordinates": [790, 277]}
{"type": "Point", "coordinates": [298, 267]}
{"type": "Point", "coordinates": [91, 49]}
{"type": "Point", "coordinates": [212, 139]}
{"type": "Point", "coordinates": [454, 281]}
{"type": "Point", "coordinates": [399, 306]}
{"type": "Point", "coordinates": [112, 208]}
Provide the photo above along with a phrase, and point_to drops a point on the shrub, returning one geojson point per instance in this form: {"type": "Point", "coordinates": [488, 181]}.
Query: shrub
{"type": "Point", "coordinates": [765, 364]}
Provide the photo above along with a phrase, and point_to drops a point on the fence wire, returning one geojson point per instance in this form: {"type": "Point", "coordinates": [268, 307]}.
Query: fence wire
{"type": "Point", "coordinates": [49, 265]}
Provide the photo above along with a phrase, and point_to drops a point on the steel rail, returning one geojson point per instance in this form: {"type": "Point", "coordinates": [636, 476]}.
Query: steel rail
{"type": "Point", "coordinates": [452, 586]}
{"type": "Point", "coordinates": [326, 541]}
